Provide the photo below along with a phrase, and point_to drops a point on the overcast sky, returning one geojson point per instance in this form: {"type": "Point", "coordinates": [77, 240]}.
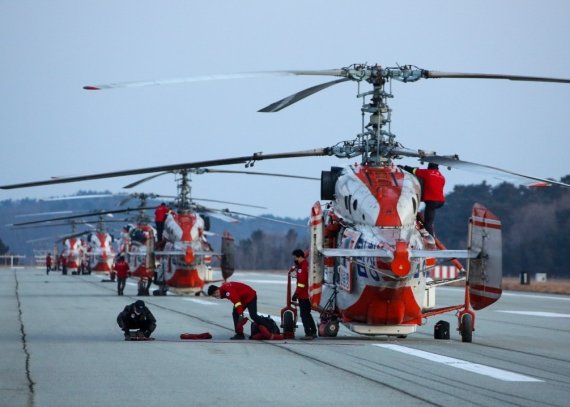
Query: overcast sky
{"type": "Point", "coordinates": [50, 126]}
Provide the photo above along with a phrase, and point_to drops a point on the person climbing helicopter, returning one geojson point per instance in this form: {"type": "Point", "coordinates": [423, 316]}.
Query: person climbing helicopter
{"type": "Point", "coordinates": [432, 182]}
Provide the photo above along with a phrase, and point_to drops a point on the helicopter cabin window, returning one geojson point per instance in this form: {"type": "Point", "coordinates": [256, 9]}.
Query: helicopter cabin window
{"type": "Point", "coordinates": [355, 204]}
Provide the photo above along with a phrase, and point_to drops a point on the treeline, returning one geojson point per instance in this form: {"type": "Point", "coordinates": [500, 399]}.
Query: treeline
{"type": "Point", "coordinates": [536, 228]}
{"type": "Point", "coordinates": [536, 224]}
{"type": "Point", "coordinates": [264, 251]}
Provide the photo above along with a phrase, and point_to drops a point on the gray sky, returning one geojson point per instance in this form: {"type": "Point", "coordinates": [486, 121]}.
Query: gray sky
{"type": "Point", "coordinates": [51, 127]}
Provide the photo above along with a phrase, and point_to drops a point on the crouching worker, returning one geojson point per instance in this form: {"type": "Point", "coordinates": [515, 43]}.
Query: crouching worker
{"type": "Point", "coordinates": [137, 316]}
{"type": "Point", "coordinates": [243, 297]}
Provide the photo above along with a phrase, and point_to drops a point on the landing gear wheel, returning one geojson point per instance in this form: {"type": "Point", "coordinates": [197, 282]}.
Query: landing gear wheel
{"type": "Point", "coordinates": [331, 329]}
{"type": "Point", "coordinates": [466, 328]}
{"type": "Point", "coordinates": [288, 322]}
{"type": "Point", "coordinates": [328, 329]}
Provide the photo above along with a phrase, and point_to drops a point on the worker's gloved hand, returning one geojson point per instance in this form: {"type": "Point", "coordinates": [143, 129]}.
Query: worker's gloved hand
{"type": "Point", "coordinates": [294, 297]}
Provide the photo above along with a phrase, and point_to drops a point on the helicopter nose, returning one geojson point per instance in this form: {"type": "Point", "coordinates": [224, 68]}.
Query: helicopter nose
{"type": "Point", "coordinates": [401, 262]}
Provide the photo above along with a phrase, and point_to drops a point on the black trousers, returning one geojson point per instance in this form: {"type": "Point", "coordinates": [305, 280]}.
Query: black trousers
{"type": "Point", "coordinates": [121, 285]}
{"type": "Point", "coordinates": [251, 307]}
{"type": "Point", "coordinates": [307, 318]}
{"type": "Point", "coordinates": [429, 214]}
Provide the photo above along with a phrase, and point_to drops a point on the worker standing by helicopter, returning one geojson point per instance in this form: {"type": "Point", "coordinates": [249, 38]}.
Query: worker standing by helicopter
{"type": "Point", "coordinates": [159, 218]}
{"type": "Point", "coordinates": [122, 269]}
{"type": "Point", "coordinates": [432, 182]}
{"type": "Point", "coordinates": [302, 294]}
{"type": "Point", "coordinates": [48, 263]}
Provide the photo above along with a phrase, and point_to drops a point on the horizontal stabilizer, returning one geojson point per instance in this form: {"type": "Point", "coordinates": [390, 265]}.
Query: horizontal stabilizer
{"type": "Point", "coordinates": [179, 253]}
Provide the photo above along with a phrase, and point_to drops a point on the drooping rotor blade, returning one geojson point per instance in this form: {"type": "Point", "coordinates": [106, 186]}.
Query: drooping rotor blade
{"type": "Point", "coordinates": [295, 97]}
{"type": "Point", "coordinates": [83, 215]}
{"type": "Point", "coordinates": [69, 198]}
{"type": "Point", "coordinates": [202, 78]}
{"type": "Point", "coordinates": [228, 202]}
{"type": "Point", "coordinates": [248, 160]}
{"type": "Point", "coordinates": [263, 218]}
{"type": "Point", "coordinates": [220, 216]}
{"type": "Point", "coordinates": [270, 174]}
{"type": "Point", "coordinates": [140, 181]}
{"type": "Point", "coordinates": [453, 161]}
{"type": "Point", "coordinates": [22, 215]}
{"type": "Point", "coordinates": [462, 75]}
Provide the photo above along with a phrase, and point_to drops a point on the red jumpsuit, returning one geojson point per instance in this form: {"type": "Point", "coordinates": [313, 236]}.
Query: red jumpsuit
{"type": "Point", "coordinates": [242, 296]}
{"type": "Point", "coordinates": [122, 269]}
{"type": "Point", "coordinates": [433, 182]}
{"type": "Point", "coordinates": [302, 294]}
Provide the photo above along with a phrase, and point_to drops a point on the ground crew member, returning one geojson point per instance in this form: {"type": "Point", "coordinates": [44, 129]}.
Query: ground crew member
{"type": "Point", "coordinates": [302, 294]}
{"type": "Point", "coordinates": [159, 218]}
{"type": "Point", "coordinates": [136, 316]}
{"type": "Point", "coordinates": [122, 269]}
{"type": "Point", "coordinates": [243, 297]}
{"type": "Point", "coordinates": [48, 263]}
{"type": "Point", "coordinates": [432, 182]}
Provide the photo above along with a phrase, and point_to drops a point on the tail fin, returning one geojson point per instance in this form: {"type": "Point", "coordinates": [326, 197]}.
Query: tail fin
{"type": "Point", "coordinates": [485, 273]}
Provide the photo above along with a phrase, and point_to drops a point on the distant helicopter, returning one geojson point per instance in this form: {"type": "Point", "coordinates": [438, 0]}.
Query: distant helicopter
{"type": "Point", "coordinates": [184, 254]}
{"type": "Point", "coordinates": [369, 261]}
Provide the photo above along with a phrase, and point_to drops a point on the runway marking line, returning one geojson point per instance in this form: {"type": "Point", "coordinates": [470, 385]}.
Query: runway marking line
{"type": "Point", "coordinates": [495, 373]}
{"type": "Point", "coordinates": [538, 314]}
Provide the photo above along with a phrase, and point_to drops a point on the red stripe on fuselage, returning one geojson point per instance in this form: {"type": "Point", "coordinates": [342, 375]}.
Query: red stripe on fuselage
{"type": "Point", "coordinates": [385, 185]}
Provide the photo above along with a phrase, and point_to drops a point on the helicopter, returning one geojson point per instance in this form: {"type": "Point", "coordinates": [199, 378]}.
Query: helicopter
{"type": "Point", "coordinates": [369, 260]}
{"type": "Point", "coordinates": [184, 255]}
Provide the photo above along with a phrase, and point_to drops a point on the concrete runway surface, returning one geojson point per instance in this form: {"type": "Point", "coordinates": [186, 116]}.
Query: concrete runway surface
{"type": "Point", "coordinates": [61, 347]}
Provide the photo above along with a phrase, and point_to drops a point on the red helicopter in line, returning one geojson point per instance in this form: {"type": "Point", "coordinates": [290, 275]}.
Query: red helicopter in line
{"type": "Point", "coordinates": [369, 259]}
{"type": "Point", "coordinates": [181, 261]}
{"type": "Point", "coordinates": [183, 257]}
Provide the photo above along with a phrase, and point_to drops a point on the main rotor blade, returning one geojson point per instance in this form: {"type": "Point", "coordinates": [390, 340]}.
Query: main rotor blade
{"type": "Point", "coordinates": [463, 75]}
{"type": "Point", "coordinates": [295, 97]}
{"type": "Point", "coordinates": [202, 78]}
{"type": "Point", "coordinates": [270, 174]}
{"type": "Point", "coordinates": [497, 173]}
{"type": "Point", "coordinates": [140, 181]}
{"type": "Point", "coordinates": [248, 160]}
{"type": "Point", "coordinates": [262, 217]}
{"type": "Point", "coordinates": [228, 202]}
{"type": "Point", "coordinates": [84, 215]}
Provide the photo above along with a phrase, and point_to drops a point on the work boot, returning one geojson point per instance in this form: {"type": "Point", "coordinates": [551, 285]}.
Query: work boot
{"type": "Point", "coordinates": [238, 337]}
{"type": "Point", "coordinates": [308, 337]}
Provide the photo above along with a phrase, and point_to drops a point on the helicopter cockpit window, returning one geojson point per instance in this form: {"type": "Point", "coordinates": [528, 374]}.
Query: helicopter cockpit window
{"type": "Point", "coordinates": [355, 204]}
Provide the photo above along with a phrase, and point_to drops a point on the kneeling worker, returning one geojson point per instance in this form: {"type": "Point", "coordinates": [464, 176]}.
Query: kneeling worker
{"type": "Point", "coordinates": [137, 316]}
{"type": "Point", "coordinates": [243, 297]}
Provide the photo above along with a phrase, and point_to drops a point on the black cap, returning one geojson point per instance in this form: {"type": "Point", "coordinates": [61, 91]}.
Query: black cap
{"type": "Point", "coordinates": [212, 289]}
{"type": "Point", "coordinates": [298, 253]}
{"type": "Point", "coordinates": [139, 304]}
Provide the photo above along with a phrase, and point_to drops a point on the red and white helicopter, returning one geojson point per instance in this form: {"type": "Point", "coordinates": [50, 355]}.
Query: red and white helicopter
{"type": "Point", "coordinates": [184, 255]}
{"type": "Point", "coordinates": [369, 259]}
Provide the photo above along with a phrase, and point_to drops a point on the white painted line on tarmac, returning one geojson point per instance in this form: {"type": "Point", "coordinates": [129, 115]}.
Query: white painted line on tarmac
{"type": "Point", "coordinates": [495, 373]}
{"type": "Point", "coordinates": [198, 301]}
{"type": "Point", "coordinates": [538, 314]}
{"type": "Point", "coordinates": [517, 294]}
{"type": "Point", "coordinates": [265, 281]}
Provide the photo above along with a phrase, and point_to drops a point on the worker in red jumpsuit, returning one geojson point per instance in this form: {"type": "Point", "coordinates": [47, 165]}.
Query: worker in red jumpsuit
{"type": "Point", "coordinates": [122, 269]}
{"type": "Point", "coordinates": [432, 182]}
{"type": "Point", "coordinates": [159, 218]}
{"type": "Point", "coordinates": [302, 294]}
{"type": "Point", "coordinates": [243, 297]}
{"type": "Point", "coordinates": [48, 263]}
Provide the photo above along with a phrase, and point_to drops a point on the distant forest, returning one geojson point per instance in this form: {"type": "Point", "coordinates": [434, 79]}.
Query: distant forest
{"type": "Point", "coordinates": [536, 226]}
